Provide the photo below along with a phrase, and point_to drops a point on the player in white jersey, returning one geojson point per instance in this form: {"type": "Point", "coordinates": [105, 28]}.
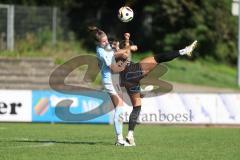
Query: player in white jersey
{"type": "Point", "coordinates": [110, 78]}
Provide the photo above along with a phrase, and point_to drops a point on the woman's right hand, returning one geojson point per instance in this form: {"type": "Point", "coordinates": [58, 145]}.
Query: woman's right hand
{"type": "Point", "coordinates": [133, 48]}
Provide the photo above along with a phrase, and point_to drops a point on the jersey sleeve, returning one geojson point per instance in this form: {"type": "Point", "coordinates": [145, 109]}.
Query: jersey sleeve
{"type": "Point", "coordinates": [104, 56]}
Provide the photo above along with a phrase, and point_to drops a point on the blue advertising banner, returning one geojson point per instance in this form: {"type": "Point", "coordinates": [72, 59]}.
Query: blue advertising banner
{"type": "Point", "coordinates": [45, 102]}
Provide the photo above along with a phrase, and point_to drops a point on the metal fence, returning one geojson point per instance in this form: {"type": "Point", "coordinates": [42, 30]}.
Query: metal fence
{"type": "Point", "coordinates": [21, 22]}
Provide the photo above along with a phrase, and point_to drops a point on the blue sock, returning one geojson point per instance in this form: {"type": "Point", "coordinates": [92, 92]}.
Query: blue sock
{"type": "Point", "coordinates": [118, 120]}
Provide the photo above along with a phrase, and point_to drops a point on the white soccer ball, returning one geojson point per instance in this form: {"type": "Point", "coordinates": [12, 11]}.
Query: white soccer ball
{"type": "Point", "coordinates": [125, 14]}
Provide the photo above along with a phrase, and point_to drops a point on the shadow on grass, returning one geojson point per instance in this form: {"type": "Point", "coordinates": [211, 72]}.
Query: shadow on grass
{"type": "Point", "coordinates": [59, 142]}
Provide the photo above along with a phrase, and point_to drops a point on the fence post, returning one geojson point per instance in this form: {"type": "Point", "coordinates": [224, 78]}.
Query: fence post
{"type": "Point", "coordinates": [10, 28]}
{"type": "Point", "coordinates": [54, 26]}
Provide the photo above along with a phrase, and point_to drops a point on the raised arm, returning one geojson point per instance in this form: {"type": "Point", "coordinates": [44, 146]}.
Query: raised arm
{"type": "Point", "coordinates": [127, 37]}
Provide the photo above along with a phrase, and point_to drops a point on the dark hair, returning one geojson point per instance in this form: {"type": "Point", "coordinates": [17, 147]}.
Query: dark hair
{"type": "Point", "coordinates": [97, 32]}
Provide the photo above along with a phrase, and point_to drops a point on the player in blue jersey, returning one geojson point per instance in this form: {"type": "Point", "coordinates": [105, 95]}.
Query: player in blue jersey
{"type": "Point", "coordinates": [110, 78]}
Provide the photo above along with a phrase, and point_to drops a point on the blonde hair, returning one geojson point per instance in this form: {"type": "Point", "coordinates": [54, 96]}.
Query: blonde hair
{"type": "Point", "coordinates": [97, 32]}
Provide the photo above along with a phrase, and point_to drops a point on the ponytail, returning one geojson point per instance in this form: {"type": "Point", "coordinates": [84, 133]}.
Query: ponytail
{"type": "Point", "coordinates": [97, 32]}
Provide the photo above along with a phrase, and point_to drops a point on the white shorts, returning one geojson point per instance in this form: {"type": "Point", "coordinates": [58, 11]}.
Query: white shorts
{"type": "Point", "coordinates": [113, 89]}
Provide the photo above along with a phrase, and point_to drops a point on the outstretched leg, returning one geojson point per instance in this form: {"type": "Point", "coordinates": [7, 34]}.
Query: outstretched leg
{"type": "Point", "coordinates": [150, 63]}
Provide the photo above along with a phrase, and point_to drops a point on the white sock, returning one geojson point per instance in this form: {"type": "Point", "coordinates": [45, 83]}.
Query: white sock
{"type": "Point", "coordinates": [130, 134]}
{"type": "Point", "coordinates": [120, 137]}
{"type": "Point", "coordinates": [183, 51]}
{"type": "Point", "coordinates": [118, 124]}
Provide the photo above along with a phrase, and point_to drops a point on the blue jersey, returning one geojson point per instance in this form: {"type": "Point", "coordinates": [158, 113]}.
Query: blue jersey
{"type": "Point", "coordinates": [105, 59]}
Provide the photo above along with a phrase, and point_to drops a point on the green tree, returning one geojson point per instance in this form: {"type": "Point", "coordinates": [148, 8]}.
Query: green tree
{"type": "Point", "coordinates": [176, 23]}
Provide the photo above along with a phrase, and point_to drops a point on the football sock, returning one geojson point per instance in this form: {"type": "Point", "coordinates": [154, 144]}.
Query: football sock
{"type": "Point", "coordinates": [165, 57]}
{"type": "Point", "coordinates": [184, 51]}
{"type": "Point", "coordinates": [133, 118]}
{"type": "Point", "coordinates": [118, 121]}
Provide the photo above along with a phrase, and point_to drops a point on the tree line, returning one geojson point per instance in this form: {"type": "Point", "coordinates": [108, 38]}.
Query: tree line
{"type": "Point", "coordinates": [158, 25]}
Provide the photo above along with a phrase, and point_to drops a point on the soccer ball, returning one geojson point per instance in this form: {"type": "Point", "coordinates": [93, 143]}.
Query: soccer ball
{"type": "Point", "coordinates": [125, 14]}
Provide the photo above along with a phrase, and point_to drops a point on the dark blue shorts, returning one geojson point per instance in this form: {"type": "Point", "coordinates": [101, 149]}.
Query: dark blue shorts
{"type": "Point", "coordinates": [131, 76]}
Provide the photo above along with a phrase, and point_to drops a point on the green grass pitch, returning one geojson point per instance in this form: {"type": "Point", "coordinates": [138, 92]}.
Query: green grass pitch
{"type": "Point", "coordinates": [23, 141]}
